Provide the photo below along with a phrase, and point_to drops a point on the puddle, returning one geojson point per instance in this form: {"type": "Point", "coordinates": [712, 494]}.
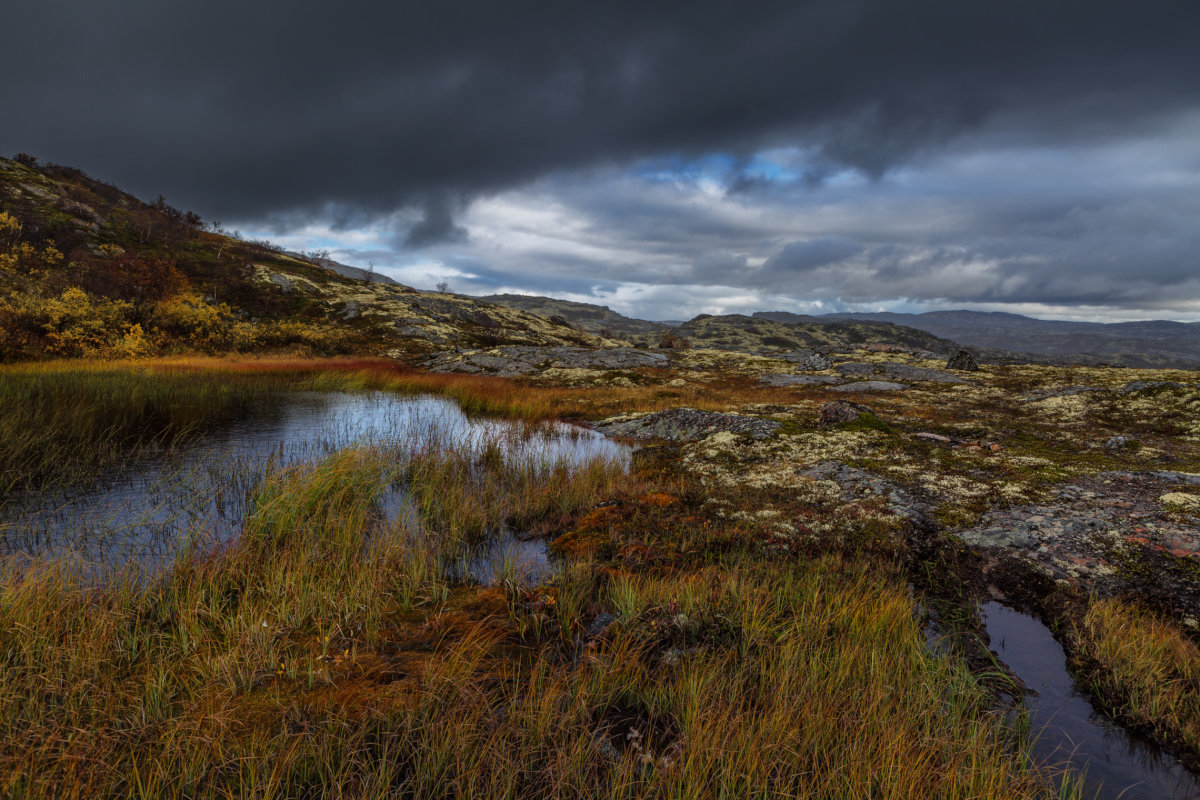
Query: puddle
{"type": "Point", "coordinates": [145, 511]}
{"type": "Point", "coordinates": [506, 555]}
{"type": "Point", "coordinates": [1068, 729]}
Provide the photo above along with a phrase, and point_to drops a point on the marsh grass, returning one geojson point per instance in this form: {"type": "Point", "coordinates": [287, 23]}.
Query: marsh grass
{"type": "Point", "coordinates": [326, 652]}
{"type": "Point", "coordinates": [1144, 667]}
{"type": "Point", "coordinates": [65, 426]}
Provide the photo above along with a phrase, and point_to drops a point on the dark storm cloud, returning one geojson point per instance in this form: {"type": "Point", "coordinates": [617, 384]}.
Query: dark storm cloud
{"type": "Point", "coordinates": [436, 227]}
{"type": "Point", "coordinates": [803, 256]}
{"type": "Point", "coordinates": [244, 110]}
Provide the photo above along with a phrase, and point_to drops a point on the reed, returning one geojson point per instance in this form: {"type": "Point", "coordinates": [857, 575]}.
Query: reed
{"type": "Point", "coordinates": [62, 426]}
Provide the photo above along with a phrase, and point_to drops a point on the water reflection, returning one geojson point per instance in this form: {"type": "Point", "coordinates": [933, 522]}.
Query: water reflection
{"type": "Point", "coordinates": [1068, 729]}
{"type": "Point", "coordinates": [145, 511]}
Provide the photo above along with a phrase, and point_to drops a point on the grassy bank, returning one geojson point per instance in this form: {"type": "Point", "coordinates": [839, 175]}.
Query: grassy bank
{"type": "Point", "coordinates": [63, 426]}
{"type": "Point", "coordinates": [1146, 669]}
{"type": "Point", "coordinates": [66, 422]}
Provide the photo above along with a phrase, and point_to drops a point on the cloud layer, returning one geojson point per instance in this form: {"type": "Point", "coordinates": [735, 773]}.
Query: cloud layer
{"type": "Point", "coordinates": [668, 157]}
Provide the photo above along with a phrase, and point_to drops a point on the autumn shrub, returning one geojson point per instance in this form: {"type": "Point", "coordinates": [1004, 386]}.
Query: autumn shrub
{"type": "Point", "coordinates": [77, 323]}
{"type": "Point", "coordinates": [187, 319]}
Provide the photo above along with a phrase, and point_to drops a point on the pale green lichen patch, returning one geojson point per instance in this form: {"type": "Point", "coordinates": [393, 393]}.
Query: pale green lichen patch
{"type": "Point", "coordinates": [1181, 501]}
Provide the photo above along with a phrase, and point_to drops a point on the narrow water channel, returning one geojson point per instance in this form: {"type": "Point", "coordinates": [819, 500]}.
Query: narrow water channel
{"type": "Point", "coordinates": [1067, 729]}
{"type": "Point", "coordinates": [144, 512]}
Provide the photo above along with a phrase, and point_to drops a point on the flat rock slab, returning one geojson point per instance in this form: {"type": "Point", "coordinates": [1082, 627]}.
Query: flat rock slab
{"type": "Point", "coordinates": [1145, 386]}
{"type": "Point", "coordinates": [799, 380]}
{"type": "Point", "coordinates": [524, 360]}
{"type": "Point", "coordinates": [856, 484]}
{"type": "Point", "coordinates": [806, 359]}
{"type": "Point", "coordinates": [1110, 533]}
{"type": "Point", "coordinates": [895, 372]}
{"type": "Point", "coordinates": [686, 424]}
{"type": "Point", "coordinates": [1066, 391]}
{"type": "Point", "coordinates": [870, 386]}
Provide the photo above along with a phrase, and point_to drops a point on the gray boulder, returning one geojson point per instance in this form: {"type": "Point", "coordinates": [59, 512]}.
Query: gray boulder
{"type": "Point", "coordinates": [806, 360]}
{"type": "Point", "coordinates": [687, 424]}
{"type": "Point", "coordinates": [964, 361]}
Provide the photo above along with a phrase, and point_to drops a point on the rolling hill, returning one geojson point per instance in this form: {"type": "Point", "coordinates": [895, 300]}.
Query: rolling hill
{"type": "Point", "coordinates": [87, 270]}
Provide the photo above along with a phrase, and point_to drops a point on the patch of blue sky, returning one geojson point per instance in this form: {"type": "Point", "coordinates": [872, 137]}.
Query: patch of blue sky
{"type": "Point", "coordinates": [678, 168]}
{"type": "Point", "coordinates": [781, 166]}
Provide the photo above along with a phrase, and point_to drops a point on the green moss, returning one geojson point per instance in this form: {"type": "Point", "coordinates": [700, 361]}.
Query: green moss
{"type": "Point", "coordinates": [868, 422]}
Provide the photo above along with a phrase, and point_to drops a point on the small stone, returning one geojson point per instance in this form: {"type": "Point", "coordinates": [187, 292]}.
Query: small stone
{"type": "Point", "coordinates": [599, 625]}
{"type": "Point", "coordinates": [677, 383]}
{"type": "Point", "coordinates": [1120, 442]}
{"type": "Point", "coordinates": [962, 360]}
{"type": "Point", "coordinates": [836, 412]}
{"type": "Point", "coordinates": [935, 437]}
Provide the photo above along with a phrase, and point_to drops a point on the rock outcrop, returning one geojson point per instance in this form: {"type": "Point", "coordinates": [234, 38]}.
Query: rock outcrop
{"type": "Point", "coordinates": [963, 361]}
{"type": "Point", "coordinates": [686, 424]}
{"type": "Point", "coordinates": [894, 371]}
{"type": "Point", "coordinates": [517, 360]}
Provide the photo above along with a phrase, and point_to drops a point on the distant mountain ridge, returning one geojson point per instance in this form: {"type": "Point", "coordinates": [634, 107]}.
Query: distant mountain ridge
{"type": "Point", "coordinates": [734, 332]}
{"type": "Point", "coordinates": [1146, 344]}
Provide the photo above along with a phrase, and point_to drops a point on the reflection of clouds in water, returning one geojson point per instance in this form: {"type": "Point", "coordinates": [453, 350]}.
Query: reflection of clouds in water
{"type": "Point", "coordinates": [204, 490]}
{"type": "Point", "coordinates": [1067, 728]}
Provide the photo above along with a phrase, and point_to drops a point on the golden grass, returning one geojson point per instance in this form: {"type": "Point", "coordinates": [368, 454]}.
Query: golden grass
{"type": "Point", "coordinates": [1145, 667]}
{"type": "Point", "coordinates": [327, 654]}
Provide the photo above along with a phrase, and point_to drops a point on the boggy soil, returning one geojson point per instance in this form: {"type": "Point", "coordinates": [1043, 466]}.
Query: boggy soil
{"type": "Point", "coordinates": [1051, 489]}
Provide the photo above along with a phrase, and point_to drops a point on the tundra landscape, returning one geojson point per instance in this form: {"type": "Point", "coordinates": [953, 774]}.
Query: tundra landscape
{"type": "Point", "coordinates": [273, 525]}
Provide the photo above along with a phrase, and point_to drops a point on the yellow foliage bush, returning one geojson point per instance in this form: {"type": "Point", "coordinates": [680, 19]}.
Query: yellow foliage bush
{"type": "Point", "coordinates": [77, 323]}
{"type": "Point", "coordinates": [24, 257]}
{"type": "Point", "coordinates": [187, 319]}
{"type": "Point", "coordinates": [10, 228]}
{"type": "Point", "coordinates": [134, 344]}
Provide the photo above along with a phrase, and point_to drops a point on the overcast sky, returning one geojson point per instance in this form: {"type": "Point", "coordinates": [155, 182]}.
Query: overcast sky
{"type": "Point", "coordinates": [665, 159]}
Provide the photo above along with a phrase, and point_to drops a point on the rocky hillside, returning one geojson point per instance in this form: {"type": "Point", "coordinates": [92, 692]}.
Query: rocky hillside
{"type": "Point", "coordinates": [732, 332]}
{"type": "Point", "coordinates": [755, 334]}
{"type": "Point", "coordinates": [1147, 344]}
{"type": "Point", "coordinates": [600, 320]}
{"type": "Point", "coordinates": [89, 270]}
